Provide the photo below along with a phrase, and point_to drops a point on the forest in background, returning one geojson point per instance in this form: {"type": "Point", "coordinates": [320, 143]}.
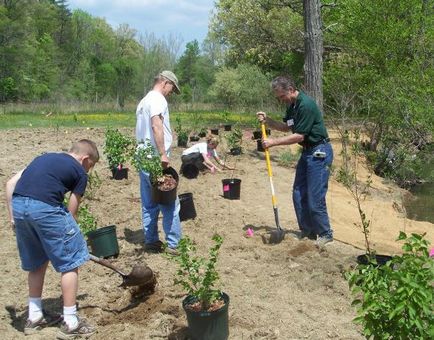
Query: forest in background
{"type": "Point", "coordinates": [378, 65]}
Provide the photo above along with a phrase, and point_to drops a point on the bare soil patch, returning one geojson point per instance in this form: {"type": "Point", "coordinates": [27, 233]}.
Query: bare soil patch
{"type": "Point", "coordinates": [289, 290]}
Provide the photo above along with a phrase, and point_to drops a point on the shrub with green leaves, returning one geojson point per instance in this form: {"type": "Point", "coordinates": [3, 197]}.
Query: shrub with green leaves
{"type": "Point", "coordinates": [86, 220]}
{"type": "Point", "coordinates": [93, 184]}
{"type": "Point", "coordinates": [147, 159]}
{"type": "Point", "coordinates": [395, 301]}
{"type": "Point", "coordinates": [196, 274]}
{"type": "Point", "coordinates": [181, 133]}
{"type": "Point", "coordinates": [234, 137]}
{"type": "Point", "coordinates": [117, 147]}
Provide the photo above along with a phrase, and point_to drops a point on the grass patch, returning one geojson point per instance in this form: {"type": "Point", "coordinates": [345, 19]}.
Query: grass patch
{"type": "Point", "coordinates": [53, 119]}
{"type": "Point", "coordinates": [289, 158]}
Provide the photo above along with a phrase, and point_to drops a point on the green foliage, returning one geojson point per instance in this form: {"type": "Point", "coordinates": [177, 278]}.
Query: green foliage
{"type": "Point", "coordinates": [257, 32]}
{"type": "Point", "coordinates": [288, 159]}
{"type": "Point", "coordinates": [242, 87]}
{"type": "Point", "coordinates": [147, 159]}
{"type": "Point", "coordinates": [180, 131]}
{"type": "Point", "coordinates": [196, 274]}
{"type": "Point", "coordinates": [86, 220]}
{"type": "Point", "coordinates": [234, 137]}
{"type": "Point", "coordinates": [93, 184]}
{"type": "Point", "coordinates": [117, 147]}
{"type": "Point", "coordinates": [395, 301]}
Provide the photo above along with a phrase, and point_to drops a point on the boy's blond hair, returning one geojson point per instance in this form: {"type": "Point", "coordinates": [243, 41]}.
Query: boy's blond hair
{"type": "Point", "coordinates": [85, 147]}
{"type": "Point", "coordinates": [210, 139]}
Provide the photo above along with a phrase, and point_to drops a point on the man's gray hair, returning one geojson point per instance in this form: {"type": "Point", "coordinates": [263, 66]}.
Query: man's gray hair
{"type": "Point", "coordinates": [283, 83]}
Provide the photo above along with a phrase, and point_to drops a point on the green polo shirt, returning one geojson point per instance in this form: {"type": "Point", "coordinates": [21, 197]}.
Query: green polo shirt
{"type": "Point", "coordinates": [305, 118]}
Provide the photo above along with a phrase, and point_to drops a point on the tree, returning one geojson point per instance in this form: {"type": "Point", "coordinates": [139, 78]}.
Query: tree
{"type": "Point", "coordinates": [313, 50]}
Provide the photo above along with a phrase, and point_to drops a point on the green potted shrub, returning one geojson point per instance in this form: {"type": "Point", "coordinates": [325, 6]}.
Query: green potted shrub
{"type": "Point", "coordinates": [182, 134]}
{"type": "Point", "coordinates": [205, 305]}
{"type": "Point", "coordinates": [102, 241]}
{"type": "Point", "coordinates": [233, 140]}
{"type": "Point", "coordinates": [395, 301]}
{"type": "Point", "coordinates": [164, 181]}
{"type": "Point", "coordinates": [117, 149]}
{"type": "Point", "coordinates": [227, 125]}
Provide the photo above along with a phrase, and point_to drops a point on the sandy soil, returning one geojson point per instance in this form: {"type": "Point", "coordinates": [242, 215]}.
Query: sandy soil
{"type": "Point", "coordinates": [287, 291]}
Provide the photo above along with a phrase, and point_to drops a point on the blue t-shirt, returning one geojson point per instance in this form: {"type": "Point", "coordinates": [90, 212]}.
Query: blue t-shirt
{"type": "Point", "coordinates": [49, 176]}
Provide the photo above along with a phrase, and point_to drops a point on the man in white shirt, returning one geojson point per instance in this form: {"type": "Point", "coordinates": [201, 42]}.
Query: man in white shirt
{"type": "Point", "coordinates": [153, 124]}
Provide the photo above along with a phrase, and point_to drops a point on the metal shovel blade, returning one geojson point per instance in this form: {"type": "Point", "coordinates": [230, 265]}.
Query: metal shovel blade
{"type": "Point", "coordinates": [139, 275]}
{"type": "Point", "coordinates": [276, 236]}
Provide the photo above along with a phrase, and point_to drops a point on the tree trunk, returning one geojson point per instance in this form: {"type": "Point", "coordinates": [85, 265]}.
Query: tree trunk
{"type": "Point", "coordinates": [313, 47]}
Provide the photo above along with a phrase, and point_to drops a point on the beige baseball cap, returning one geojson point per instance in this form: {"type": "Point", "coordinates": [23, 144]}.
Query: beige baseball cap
{"type": "Point", "coordinates": [171, 76]}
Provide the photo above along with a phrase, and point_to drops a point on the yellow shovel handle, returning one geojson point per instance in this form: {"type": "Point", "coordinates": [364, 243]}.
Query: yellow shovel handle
{"type": "Point", "coordinates": [270, 172]}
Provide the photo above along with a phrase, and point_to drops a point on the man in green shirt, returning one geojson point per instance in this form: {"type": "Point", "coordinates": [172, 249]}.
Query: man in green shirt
{"type": "Point", "coordinates": [304, 119]}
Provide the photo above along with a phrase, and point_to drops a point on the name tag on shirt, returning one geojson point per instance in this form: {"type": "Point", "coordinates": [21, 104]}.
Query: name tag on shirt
{"type": "Point", "coordinates": [290, 122]}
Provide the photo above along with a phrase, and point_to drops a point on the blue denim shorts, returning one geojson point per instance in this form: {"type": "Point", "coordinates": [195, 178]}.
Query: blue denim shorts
{"type": "Point", "coordinates": [47, 233]}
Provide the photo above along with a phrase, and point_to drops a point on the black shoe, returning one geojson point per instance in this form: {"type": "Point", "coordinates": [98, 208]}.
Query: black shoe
{"type": "Point", "coordinates": [154, 247]}
{"type": "Point", "coordinates": [307, 234]}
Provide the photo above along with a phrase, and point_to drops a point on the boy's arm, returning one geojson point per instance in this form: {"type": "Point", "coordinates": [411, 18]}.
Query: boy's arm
{"type": "Point", "coordinates": [74, 203]}
{"type": "Point", "coordinates": [10, 187]}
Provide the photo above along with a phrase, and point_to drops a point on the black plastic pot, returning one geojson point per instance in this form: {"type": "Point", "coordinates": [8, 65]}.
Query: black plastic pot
{"type": "Point", "coordinates": [166, 197]}
{"type": "Point", "coordinates": [190, 171]}
{"type": "Point", "coordinates": [257, 134]}
{"type": "Point", "coordinates": [187, 210]}
{"type": "Point", "coordinates": [202, 134]}
{"type": "Point", "coordinates": [119, 174]}
{"type": "Point", "coordinates": [194, 138]}
{"type": "Point", "coordinates": [103, 242]}
{"type": "Point", "coordinates": [236, 151]}
{"type": "Point", "coordinates": [182, 143]}
{"type": "Point", "coordinates": [228, 127]}
{"type": "Point", "coordinates": [215, 131]}
{"type": "Point", "coordinates": [259, 146]}
{"type": "Point", "coordinates": [207, 325]}
{"type": "Point", "coordinates": [380, 259]}
{"type": "Point", "coordinates": [231, 188]}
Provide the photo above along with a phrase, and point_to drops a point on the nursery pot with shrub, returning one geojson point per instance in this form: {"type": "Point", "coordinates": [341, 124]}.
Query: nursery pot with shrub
{"type": "Point", "coordinates": [182, 134]}
{"type": "Point", "coordinates": [233, 140]}
{"type": "Point", "coordinates": [206, 307]}
{"type": "Point", "coordinates": [394, 301]}
{"type": "Point", "coordinates": [117, 149]}
{"type": "Point", "coordinates": [164, 181]}
{"type": "Point", "coordinates": [102, 241]}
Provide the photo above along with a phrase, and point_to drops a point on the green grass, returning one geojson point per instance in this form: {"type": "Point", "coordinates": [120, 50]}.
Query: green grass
{"type": "Point", "coordinates": [115, 119]}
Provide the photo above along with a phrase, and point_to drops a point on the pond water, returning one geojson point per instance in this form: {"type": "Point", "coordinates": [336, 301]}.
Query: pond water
{"type": "Point", "coordinates": [421, 206]}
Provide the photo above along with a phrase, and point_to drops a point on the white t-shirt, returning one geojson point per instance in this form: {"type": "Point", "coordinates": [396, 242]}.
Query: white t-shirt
{"type": "Point", "coordinates": [153, 104]}
{"type": "Point", "coordinates": [202, 148]}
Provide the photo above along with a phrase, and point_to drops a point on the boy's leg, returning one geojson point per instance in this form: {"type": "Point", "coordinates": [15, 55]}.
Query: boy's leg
{"type": "Point", "coordinates": [36, 283]}
{"type": "Point", "coordinates": [69, 283]}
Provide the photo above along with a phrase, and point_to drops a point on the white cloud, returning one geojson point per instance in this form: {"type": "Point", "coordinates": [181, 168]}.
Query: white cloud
{"type": "Point", "coordinates": [188, 18]}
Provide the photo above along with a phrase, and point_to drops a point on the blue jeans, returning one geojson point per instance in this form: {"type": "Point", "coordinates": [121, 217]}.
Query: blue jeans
{"type": "Point", "coordinates": [47, 233]}
{"type": "Point", "coordinates": [150, 212]}
{"type": "Point", "coordinates": [310, 189]}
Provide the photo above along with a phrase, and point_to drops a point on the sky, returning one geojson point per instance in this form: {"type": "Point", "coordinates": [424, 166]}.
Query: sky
{"type": "Point", "coordinates": [187, 19]}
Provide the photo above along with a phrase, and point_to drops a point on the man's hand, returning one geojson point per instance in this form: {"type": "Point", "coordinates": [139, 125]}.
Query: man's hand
{"type": "Point", "coordinates": [262, 116]}
{"type": "Point", "coordinates": [267, 142]}
{"type": "Point", "coordinates": [164, 161]}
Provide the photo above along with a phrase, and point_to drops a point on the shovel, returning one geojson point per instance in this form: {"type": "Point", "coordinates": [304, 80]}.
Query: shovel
{"type": "Point", "coordinates": [139, 276]}
{"type": "Point", "coordinates": [276, 236]}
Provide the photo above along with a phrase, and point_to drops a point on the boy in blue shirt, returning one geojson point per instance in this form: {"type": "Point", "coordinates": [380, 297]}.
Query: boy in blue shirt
{"type": "Point", "coordinates": [47, 231]}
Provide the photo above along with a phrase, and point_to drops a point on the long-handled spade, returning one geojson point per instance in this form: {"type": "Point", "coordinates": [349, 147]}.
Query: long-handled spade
{"type": "Point", "coordinates": [276, 236]}
{"type": "Point", "coordinates": [139, 276]}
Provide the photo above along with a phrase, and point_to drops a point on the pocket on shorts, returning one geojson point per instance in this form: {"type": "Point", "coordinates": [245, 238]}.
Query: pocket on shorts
{"type": "Point", "coordinates": [73, 240]}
